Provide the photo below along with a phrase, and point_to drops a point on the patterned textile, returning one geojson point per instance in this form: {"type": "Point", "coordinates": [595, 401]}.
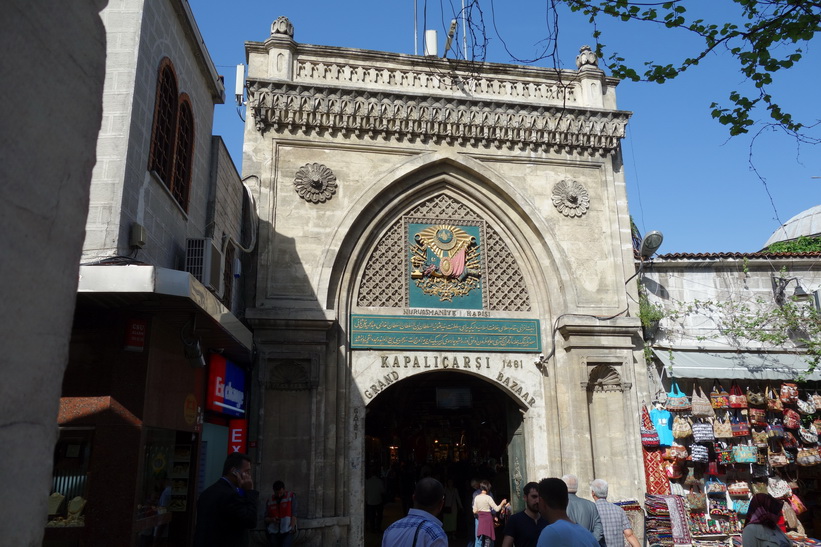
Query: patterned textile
{"type": "Point", "coordinates": [656, 479]}
{"type": "Point", "coordinates": [403, 530]}
{"type": "Point", "coordinates": [678, 520]}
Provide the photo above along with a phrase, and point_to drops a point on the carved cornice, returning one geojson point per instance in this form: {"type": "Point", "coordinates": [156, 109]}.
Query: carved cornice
{"type": "Point", "coordinates": [309, 109]}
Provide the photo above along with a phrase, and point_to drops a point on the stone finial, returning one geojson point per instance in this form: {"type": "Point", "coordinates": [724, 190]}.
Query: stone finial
{"type": "Point", "coordinates": [282, 26]}
{"type": "Point", "coordinates": [586, 59]}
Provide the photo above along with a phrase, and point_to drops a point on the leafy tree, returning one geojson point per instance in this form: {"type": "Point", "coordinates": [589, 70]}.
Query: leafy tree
{"type": "Point", "coordinates": [803, 244]}
{"type": "Point", "coordinates": [770, 37]}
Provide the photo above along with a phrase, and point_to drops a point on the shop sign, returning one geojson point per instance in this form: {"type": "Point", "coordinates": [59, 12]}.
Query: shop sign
{"type": "Point", "coordinates": [135, 330]}
{"type": "Point", "coordinates": [237, 436]}
{"type": "Point", "coordinates": [226, 387]}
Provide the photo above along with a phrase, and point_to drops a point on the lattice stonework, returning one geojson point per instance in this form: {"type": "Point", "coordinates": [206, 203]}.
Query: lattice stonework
{"type": "Point", "coordinates": [383, 282]}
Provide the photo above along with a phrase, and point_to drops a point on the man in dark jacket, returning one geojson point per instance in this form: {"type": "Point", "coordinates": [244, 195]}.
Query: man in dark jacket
{"type": "Point", "coordinates": [227, 509]}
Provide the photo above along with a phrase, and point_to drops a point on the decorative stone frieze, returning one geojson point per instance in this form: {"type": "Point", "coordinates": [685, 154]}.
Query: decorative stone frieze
{"type": "Point", "coordinates": [571, 198]}
{"type": "Point", "coordinates": [315, 182]}
{"type": "Point", "coordinates": [302, 109]}
{"type": "Point", "coordinates": [605, 378]}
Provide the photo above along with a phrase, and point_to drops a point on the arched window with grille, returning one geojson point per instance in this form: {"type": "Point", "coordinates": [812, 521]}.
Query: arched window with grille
{"type": "Point", "coordinates": [172, 137]}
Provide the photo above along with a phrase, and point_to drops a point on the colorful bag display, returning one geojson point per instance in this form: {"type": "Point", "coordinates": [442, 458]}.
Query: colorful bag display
{"type": "Point", "coordinates": [718, 507]}
{"type": "Point", "coordinates": [738, 489]}
{"type": "Point", "coordinates": [775, 430]}
{"type": "Point", "coordinates": [806, 407]}
{"type": "Point", "coordinates": [737, 397]}
{"type": "Point", "coordinates": [675, 453]}
{"type": "Point", "coordinates": [791, 419]}
{"type": "Point", "coordinates": [759, 437]}
{"type": "Point", "coordinates": [701, 407]}
{"type": "Point", "coordinates": [742, 506]}
{"type": "Point", "coordinates": [696, 501]}
{"type": "Point", "coordinates": [774, 403]}
{"type": "Point", "coordinates": [724, 454]}
{"type": "Point", "coordinates": [777, 458]}
{"type": "Point", "coordinates": [744, 453]}
{"type": "Point", "coordinates": [756, 398]}
{"type": "Point", "coordinates": [788, 393]}
{"type": "Point", "coordinates": [677, 401]}
{"type": "Point", "coordinates": [681, 427]}
{"type": "Point", "coordinates": [699, 453]}
{"type": "Point", "coordinates": [807, 457]}
{"type": "Point", "coordinates": [797, 505]}
{"type": "Point", "coordinates": [789, 440]}
{"type": "Point", "coordinates": [719, 397]}
{"type": "Point", "coordinates": [816, 399]}
{"type": "Point", "coordinates": [809, 434]}
{"type": "Point", "coordinates": [649, 435]}
{"type": "Point", "coordinates": [758, 488]}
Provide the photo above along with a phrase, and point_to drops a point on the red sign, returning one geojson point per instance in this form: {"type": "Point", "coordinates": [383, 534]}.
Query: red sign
{"type": "Point", "coordinates": [135, 330]}
{"type": "Point", "coordinates": [226, 387]}
{"type": "Point", "coordinates": [237, 436]}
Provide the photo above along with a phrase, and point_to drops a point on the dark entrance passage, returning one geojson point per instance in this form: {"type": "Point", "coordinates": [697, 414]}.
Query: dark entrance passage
{"type": "Point", "coordinates": [450, 425]}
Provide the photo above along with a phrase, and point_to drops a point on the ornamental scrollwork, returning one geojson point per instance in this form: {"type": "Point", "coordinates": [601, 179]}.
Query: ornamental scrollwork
{"type": "Point", "coordinates": [571, 198]}
{"type": "Point", "coordinates": [315, 182]}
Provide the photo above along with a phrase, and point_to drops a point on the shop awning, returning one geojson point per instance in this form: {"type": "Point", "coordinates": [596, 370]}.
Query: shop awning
{"type": "Point", "coordinates": [175, 293]}
{"type": "Point", "coordinates": [735, 366]}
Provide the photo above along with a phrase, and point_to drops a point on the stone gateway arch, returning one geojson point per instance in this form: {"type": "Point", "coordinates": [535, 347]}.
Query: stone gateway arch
{"type": "Point", "coordinates": [438, 240]}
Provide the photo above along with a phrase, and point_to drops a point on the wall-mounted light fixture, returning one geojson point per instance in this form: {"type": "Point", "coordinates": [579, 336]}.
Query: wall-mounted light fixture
{"type": "Point", "coordinates": [780, 290]}
{"type": "Point", "coordinates": [650, 243]}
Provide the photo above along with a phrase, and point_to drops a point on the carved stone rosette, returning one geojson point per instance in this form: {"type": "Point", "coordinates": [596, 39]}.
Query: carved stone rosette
{"type": "Point", "coordinates": [571, 198]}
{"type": "Point", "coordinates": [315, 182]}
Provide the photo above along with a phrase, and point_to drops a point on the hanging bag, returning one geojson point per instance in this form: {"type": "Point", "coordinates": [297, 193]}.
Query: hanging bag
{"type": "Point", "coordinates": [806, 407]}
{"type": "Point", "coordinates": [737, 397]}
{"type": "Point", "coordinates": [719, 398]}
{"type": "Point", "coordinates": [701, 403]}
{"type": "Point", "coordinates": [816, 400]}
{"type": "Point", "coordinates": [774, 403]}
{"type": "Point", "coordinates": [756, 398]}
{"type": "Point", "coordinates": [788, 393]}
{"type": "Point", "coordinates": [757, 416]}
{"type": "Point", "coordinates": [789, 440]}
{"type": "Point", "coordinates": [739, 425]}
{"type": "Point", "coordinates": [649, 435]}
{"type": "Point", "coordinates": [724, 453]}
{"type": "Point", "coordinates": [759, 437]}
{"type": "Point", "coordinates": [809, 434]}
{"type": "Point", "coordinates": [703, 432]}
{"type": "Point", "coordinates": [738, 489]}
{"type": "Point", "coordinates": [681, 427]}
{"type": "Point", "coordinates": [696, 501]}
{"type": "Point", "coordinates": [791, 419]}
{"type": "Point", "coordinates": [744, 453]}
{"type": "Point", "coordinates": [677, 401]}
{"type": "Point", "coordinates": [699, 453]}
{"type": "Point", "coordinates": [715, 488]}
{"type": "Point", "coordinates": [777, 458]}
{"type": "Point", "coordinates": [778, 488]}
{"type": "Point", "coordinates": [775, 429]}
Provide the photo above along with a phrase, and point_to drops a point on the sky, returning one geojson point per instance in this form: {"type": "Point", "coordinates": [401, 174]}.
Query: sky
{"type": "Point", "coordinates": [685, 176]}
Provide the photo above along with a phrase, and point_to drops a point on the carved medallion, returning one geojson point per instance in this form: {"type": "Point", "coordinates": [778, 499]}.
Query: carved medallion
{"type": "Point", "coordinates": [571, 198]}
{"type": "Point", "coordinates": [445, 261]}
{"type": "Point", "coordinates": [315, 183]}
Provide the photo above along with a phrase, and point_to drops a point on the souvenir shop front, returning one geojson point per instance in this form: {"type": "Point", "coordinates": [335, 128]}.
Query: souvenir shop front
{"type": "Point", "coordinates": [710, 443]}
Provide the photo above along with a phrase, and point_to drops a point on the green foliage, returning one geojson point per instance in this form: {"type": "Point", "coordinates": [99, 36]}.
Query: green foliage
{"type": "Point", "coordinates": [769, 40]}
{"type": "Point", "coordinates": [792, 325]}
{"type": "Point", "coordinates": [803, 244]}
{"type": "Point", "coordinates": [649, 313]}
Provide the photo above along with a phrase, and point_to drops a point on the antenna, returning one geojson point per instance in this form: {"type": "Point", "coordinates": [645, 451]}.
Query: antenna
{"type": "Point", "coordinates": [239, 87]}
{"type": "Point", "coordinates": [451, 34]}
{"type": "Point", "coordinates": [415, 31]}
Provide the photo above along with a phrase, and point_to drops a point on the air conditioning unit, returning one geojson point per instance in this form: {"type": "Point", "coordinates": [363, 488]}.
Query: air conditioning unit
{"type": "Point", "coordinates": [203, 260]}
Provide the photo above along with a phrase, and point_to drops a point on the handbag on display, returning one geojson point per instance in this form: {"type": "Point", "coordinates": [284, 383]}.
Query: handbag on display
{"type": "Point", "coordinates": [806, 407]}
{"type": "Point", "coordinates": [791, 419]}
{"type": "Point", "coordinates": [696, 501]}
{"type": "Point", "coordinates": [757, 416]}
{"type": "Point", "coordinates": [712, 468]}
{"type": "Point", "coordinates": [759, 437]}
{"type": "Point", "coordinates": [699, 453]}
{"type": "Point", "coordinates": [816, 399]}
{"type": "Point", "coordinates": [649, 435]}
{"type": "Point", "coordinates": [773, 401]}
{"type": "Point", "coordinates": [777, 458]}
{"type": "Point", "coordinates": [797, 505]}
{"type": "Point", "coordinates": [761, 458]}
{"type": "Point", "coordinates": [701, 407]}
{"type": "Point", "coordinates": [778, 488]}
{"type": "Point", "coordinates": [724, 453]}
{"type": "Point", "coordinates": [703, 432]}
{"type": "Point", "coordinates": [806, 457]}
{"type": "Point", "coordinates": [738, 489]}
{"type": "Point", "coordinates": [788, 393]}
{"type": "Point", "coordinates": [690, 479]}
{"type": "Point", "coordinates": [681, 427]}
{"type": "Point", "coordinates": [744, 453]}
{"type": "Point", "coordinates": [675, 452]}
{"type": "Point", "coordinates": [737, 397]}
{"type": "Point", "coordinates": [673, 470]}
{"type": "Point", "coordinates": [756, 398]}
{"type": "Point", "coordinates": [789, 440]}
{"type": "Point", "coordinates": [758, 488]}
{"type": "Point", "coordinates": [808, 434]}
{"type": "Point", "coordinates": [677, 401]}
{"type": "Point", "coordinates": [714, 487]}
{"type": "Point", "coordinates": [742, 506]}
{"type": "Point", "coordinates": [718, 507]}
{"type": "Point", "coordinates": [775, 429]}
{"type": "Point", "coordinates": [719, 397]}
{"type": "Point", "coordinates": [739, 426]}
{"type": "Point", "coordinates": [722, 428]}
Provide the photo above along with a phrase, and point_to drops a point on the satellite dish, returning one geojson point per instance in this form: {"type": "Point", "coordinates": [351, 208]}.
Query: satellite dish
{"type": "Point", "coordinates": [650, 243]}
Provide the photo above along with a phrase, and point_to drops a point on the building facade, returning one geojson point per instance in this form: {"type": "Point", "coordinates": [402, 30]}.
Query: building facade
{"type": "Point", "coordinates": [158, 357]}
{"type": "Point", "coordinates": [441, 283]}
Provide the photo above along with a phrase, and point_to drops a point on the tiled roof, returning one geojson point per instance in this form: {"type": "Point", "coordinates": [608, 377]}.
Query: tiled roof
{"type": "Point", "coordinates": [717, 256]}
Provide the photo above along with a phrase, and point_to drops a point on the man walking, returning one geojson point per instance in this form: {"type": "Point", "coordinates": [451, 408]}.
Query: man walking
{"type": "Point", "coordinates": [560, 530]}
{"type": "Point", "coordinates": [617, 528]}
{"type": "Point", "coordinates": [227, 509]}
{"type": "Point", "coordinates": [523, 528]}
{"type": "Point", "coordinates": [582, 511]}
{"type": "Point", "coordinates": [420, 528]}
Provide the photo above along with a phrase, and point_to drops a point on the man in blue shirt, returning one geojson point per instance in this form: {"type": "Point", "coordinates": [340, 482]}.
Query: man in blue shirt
{"type": "Point", "coordinates": [420, 528]}
{"type": "Point", "coordinates": [560, 531]}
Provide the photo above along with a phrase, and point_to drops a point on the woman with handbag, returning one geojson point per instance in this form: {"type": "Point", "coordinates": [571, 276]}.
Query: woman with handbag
{"type": "Point", "coordinates": [761, 526]}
